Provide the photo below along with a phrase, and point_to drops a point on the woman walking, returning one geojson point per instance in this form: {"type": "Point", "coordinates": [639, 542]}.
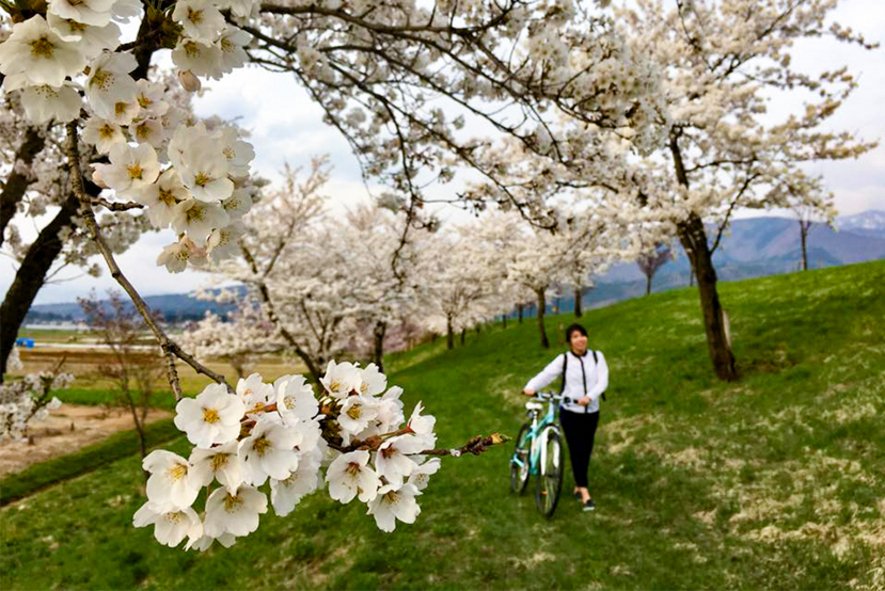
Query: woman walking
{"type": "Point", "coordinates": [584, 380]}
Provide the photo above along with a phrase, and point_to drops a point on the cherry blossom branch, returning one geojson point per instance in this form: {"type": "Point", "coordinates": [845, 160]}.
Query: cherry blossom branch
{"type": "Point", "coordinates": [170, 348]}
{"type": "Point", "coordinates": [113, 206]}
{"type": "Point", "coordinates": [475, 446]}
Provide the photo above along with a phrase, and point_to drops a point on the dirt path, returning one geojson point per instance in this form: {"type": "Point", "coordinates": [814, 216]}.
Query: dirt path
{"type": "Point", "coordinates": [67, 429]}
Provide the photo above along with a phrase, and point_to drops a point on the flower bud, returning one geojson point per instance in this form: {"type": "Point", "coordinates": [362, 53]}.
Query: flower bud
{"type": "Point", "coordinates": [96, 178]}
{"type": "Point", "coordinates": [189, 81]}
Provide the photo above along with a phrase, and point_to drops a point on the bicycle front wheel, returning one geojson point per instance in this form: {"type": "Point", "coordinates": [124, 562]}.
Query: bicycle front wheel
{"type": "Point", "coordinates": [549, 484]}
{"type": "Point", "coordinates": [520, 461]}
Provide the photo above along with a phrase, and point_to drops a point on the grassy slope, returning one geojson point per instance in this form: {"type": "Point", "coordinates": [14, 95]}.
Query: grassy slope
{"type": "Point", "coordinates": [776, 481]}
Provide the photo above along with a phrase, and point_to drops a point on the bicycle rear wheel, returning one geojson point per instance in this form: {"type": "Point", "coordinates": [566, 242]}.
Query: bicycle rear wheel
{"type": "Point", "coordinates": [549, 484]}
{"type": "Point", "coordinates": [519, 461]}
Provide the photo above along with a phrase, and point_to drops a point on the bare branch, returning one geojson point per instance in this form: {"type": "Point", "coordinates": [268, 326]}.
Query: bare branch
{"type": "Point", "coordinates": [170, 348]}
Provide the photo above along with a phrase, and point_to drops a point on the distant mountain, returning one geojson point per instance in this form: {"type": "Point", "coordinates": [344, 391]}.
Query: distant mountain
{"type": "Point", "coordinates": [867, 223]}
{"type": "Point", "coordinates": [176, 307]}
{"type": "Point", "coordinates": [766, 246]}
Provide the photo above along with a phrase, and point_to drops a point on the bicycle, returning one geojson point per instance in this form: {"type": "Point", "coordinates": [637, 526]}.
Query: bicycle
{"type": "Point", "coordinates": [539, 451]}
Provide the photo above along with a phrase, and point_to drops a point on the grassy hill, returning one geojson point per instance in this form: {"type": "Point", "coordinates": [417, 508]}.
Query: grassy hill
{"type": "Point", "coordinates": [777, 481]}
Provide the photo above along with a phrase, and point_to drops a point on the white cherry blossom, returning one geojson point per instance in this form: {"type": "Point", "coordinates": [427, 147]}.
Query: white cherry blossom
{"type": "Point", "coordinates": [341, 379]}
{"type": "Point", "coordinates": [36, 52]}
{"type": "Point", "coordinates": [170, 526]}
{"type": "Point", "coordinates": [254, 393]}
{"type": "Point", "coordinates": [356, 413]}
{"type": "Point", "coordinates": [131, 169]}
{"type": "Point", "coordinates": [373, 381]}
{"type": "Point", "coordinates": [222, 242]}
{"type": "Point", "coordinates": [269, 450]}
{"type": "Point", "coordinates": [201, 59]}
{"type": "Point", "coordinates": [393, 461]}
{"type": "Point", "coordinates": [109, 82]}
{"type": "Point", "coordinates": [43, 103]}
{"type": "Point", "coordinates": [200, 19]}
{"type": "Point", "coordinates": [394, 503]}
{"type": "Point", "coordinates": [162, 197]}
{"type": "Point", "coordinates": [420, 476]}
{"type": "Point", "coordinates": [295, 397]}
{"type": "Point", "coordinates": [286, 494]}
{"type": "Point", "coordinates": [210, 418]}
{"type": "Point", "coordinates": [89, 12]}
{"type": "Point", "coordinates": [220, 463]}
{"type": "Point", "coordinates": [176, 256]}
{"type": "Point", "coordinates": [349, 475]}
{"type": "Point", "coordinates": [234, 513]}
{"type": "Point", "coordinates": [232, 43]}
{"type": "Point", "coordinates": [102, 134]}
{"type": "Point", "coordinates": [170, 484]}
{"type": "Point", "coordinates": [91, 40]}
{"type": "Point", "coordinates": [198, 218]}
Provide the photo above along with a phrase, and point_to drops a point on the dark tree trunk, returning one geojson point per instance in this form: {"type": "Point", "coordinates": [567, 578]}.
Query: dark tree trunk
{"type": "Point", "coordinates": [648, 284]}
{"type": "Point", "coordinates": [504, 319]}
{"type": "Point", "coordinates": [691, 277]}
{"type": "Point", "coordinates": [520, 308]}
{"type": "Point", "coordinates": [579, 305]}
{"type": "Point", "coordinates": [378, 333]}
{"type": "Point", "coordinates": [693, 237]}
{"type": "Point", "coordinates": [450, 334]}
{"type": "Point", "coordinates": [804, 227]}
{"type": "Point", "coordinates": [30, 277]}
{"type": "Point", "coordinates": [17, 183]}
{"type": "Point", "coordinates": [542, 308]}
{"type": "Point", "coordinates": [463, 336]}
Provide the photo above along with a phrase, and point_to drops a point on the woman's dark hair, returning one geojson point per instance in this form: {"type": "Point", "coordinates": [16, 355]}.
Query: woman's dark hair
{"type": "Point", "coordinates": [572, 328]}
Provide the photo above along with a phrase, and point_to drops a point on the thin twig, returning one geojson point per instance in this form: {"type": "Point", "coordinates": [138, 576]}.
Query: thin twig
{"type": "Point", "coordinates": [114, 206]}
{"type": "Point", "coordinates": [170, 348]}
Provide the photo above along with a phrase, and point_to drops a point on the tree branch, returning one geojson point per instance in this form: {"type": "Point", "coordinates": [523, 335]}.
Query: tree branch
{"type": "Point", "coordinates": [170, 348]}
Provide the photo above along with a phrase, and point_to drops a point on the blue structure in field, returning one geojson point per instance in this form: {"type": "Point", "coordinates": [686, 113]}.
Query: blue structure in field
{"type": "Point", "coordinates": [26, 343]}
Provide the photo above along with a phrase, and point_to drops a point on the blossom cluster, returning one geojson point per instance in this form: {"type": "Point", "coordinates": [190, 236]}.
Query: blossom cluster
{"type": "Point", "coordinates": [28, 399]}
{"type": "Point", "coordinates": [279, 438]}
{"type": "Point", "coordinates": [190, 177]}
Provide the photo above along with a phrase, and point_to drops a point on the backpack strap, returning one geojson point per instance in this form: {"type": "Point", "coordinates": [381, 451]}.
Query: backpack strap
{"type": "Point", "coordinates": [564, 365]}
{"type": "Point", "coordinates": [596, 361]}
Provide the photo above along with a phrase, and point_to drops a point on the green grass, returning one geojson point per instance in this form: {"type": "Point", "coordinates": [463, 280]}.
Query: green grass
{"type": "Point", "coordinates": [776, 481]}
{"type": "Point", "coordinates": [117, 446]}
{"type": "Point", "coordinates": [98, 397]}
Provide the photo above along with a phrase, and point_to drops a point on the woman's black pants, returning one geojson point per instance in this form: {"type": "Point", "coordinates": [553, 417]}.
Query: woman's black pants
{"type": "Point", "coordinates": [580, 431]}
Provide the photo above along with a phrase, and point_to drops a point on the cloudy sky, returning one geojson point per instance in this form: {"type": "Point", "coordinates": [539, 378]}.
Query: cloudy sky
{"type": "Point", "coordinates": [287, 127]}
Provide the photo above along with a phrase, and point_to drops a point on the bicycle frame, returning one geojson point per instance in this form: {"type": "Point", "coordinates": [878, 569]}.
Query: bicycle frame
{"type": "Point", "coordinates": [538, 435]}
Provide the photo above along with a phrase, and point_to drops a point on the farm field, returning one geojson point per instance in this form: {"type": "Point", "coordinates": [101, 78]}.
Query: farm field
{"type": "Point", "coordinates": [776, 481]}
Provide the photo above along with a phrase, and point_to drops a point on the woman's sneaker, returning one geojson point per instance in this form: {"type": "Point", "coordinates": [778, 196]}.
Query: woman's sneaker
{"type": "Point", "coordinates": [589, 505]}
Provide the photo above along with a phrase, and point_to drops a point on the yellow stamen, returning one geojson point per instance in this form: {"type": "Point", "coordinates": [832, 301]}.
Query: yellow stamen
{"type": "Point", "coordinates": [210, 415]}
{"type": "Point", "coordinates": [219, 461]}
{"type": "Point", "coordinates": [42, 47]}
{"type": "Point", "coordinates": [232, 503]}
{"type": "Point", "coordinates": [177, 472]}
{"type": "Point", "coordinates": [135, 171]}
{"type": "Point", "coordinates": [261, 445]}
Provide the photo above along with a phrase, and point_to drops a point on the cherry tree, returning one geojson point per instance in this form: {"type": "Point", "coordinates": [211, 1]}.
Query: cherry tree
{"type": "Point", "coordinates": [808, 199]}
{"type": "Point", "coordinates": [720, 148]}
{"type": "Point", "coordinates": [238, 338]}
{"type": "Point", "coordinates": [649, 262]}
{"type": "Point", "coordinates": [458, 283]}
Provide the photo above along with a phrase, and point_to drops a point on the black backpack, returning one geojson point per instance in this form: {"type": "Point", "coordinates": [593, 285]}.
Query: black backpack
{"type": "Point", "coordinates": [565, 365]}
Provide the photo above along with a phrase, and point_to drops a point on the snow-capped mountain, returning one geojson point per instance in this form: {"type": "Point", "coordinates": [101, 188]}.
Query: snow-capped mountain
{"type": "Point", "coordinates": [866, 223]}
